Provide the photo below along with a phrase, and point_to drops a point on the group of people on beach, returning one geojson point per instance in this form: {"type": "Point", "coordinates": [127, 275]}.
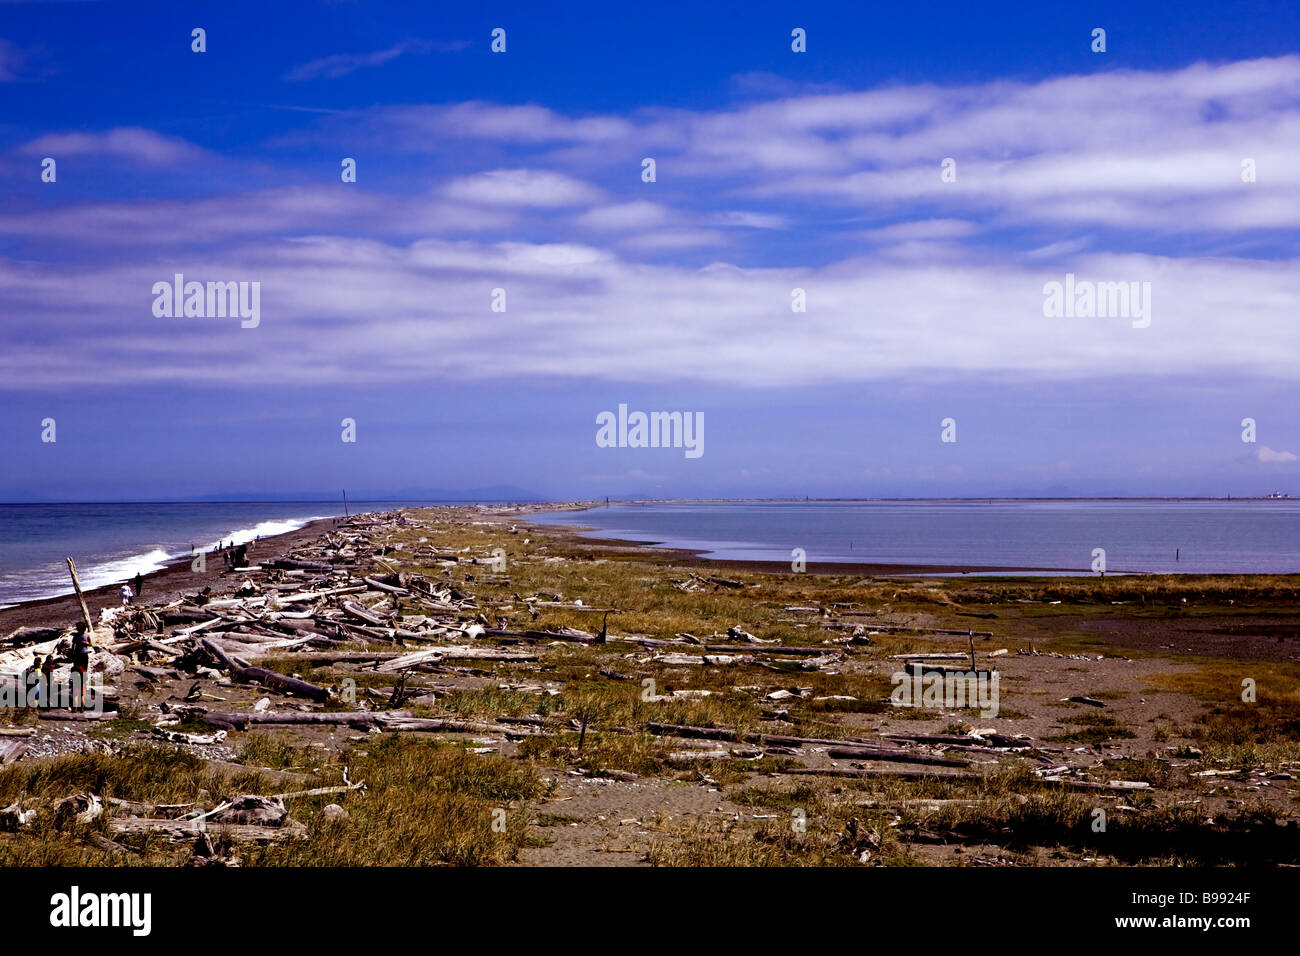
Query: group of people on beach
{"type": "Point", "coordinates": [129, 592]}
{"type": "Point", "coordinates": [234, 556]}
{"type": "Point", "coordinates": [38, 678]}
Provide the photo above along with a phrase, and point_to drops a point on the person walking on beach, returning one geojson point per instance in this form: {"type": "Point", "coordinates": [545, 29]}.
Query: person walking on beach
{"type": "Point", "coordinates": [47, 680]}
{"type": "Point", "coordinates": [32, 680]}
{"type": "Point", "coordinates": [80, 666]}
{"type": "Point", "coordinates": [125, 594]}
{"type": "Point", "coordinates": [138, 584]}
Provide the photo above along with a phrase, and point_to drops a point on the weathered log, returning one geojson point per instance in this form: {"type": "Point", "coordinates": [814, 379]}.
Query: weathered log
{"type": "Point", "coordinates": [1114, 786]}
{"type": "Point", "coordinates": [922, 667]}
{"type": "Point", "coordinates": [885, 772]}
{"type": "Point", "coordinates": [986, 740]}
{"type": "Point", "coordinates": [358, 612]}
{"type": "Point", "coordinates": [1090, 701]}
{"type": "Point", "coordinates": [44, 713]}
{"type": "Point", "coordinates": [366, 633]}
{"type": "Point", "coordinates": [112, 846]}
{"type": "Point", "coordinates": [81, 598]}
{"type": "Point", "coordinates": [540, 635]}
{"type": "Point", "coordinates": [895, 756]}
{"type": "Point", "coordinates": [33, 635]}
{"type": "Point", "coordinates": [183, 829]}
{"type": "Point", "coordinates": [291, 564]}
{"type": "Point", "coordinates": [389, 588]}
{"type": "Point", "coordinates": [454, 652]}
{"type": "Point", "coordinates": [838, 748]}
{"type": "Point", "coordinates": [11, 750]}
{"type": "Point", "coordinates": [912, 629]}
{"type": "Point", "coordinates": [347, 657]}
{"type": "Point", "coordinates": [766, 649]}
{"type": "Point", "coordinates": [267, 678]}
{"type": "Point", "coordinates": [361, 720]}
{"type": "Point", "coordinates": [319, 791]}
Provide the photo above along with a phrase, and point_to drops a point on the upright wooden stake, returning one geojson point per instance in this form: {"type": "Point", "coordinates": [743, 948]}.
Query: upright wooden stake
{"type": "Point", "coordinates": [85, 611]}
{"type": "Point", "coordinates": [345, 502]}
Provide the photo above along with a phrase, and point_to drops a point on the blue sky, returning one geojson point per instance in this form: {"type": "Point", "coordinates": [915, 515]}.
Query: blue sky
{"type": "Point", "coordinates": [775, 171]}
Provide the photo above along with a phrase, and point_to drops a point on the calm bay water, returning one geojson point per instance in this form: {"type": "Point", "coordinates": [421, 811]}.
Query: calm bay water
{"type": "Point", "coordinates": [114, 542]}
{"type": "Point", "coordinates": [1150, 536]}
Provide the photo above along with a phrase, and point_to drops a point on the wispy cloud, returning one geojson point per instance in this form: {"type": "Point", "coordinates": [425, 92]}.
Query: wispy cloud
{"type": "Point", "coordinates": [341, 64]}
{"type": "Point", "coordinates": [613, 278]}
{"type": "Point", "coordinates": [1159, 151]}
{"type": "Point", "coordinates": [129, 142]}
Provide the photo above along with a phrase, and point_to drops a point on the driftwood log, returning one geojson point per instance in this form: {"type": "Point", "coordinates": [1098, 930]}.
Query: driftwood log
{"type": "Point", "coordinates": [188, 829]}
{"type": "Point", "coordinates": [845, 749]}
{"type": "Point", "coordinates": [267, 678]}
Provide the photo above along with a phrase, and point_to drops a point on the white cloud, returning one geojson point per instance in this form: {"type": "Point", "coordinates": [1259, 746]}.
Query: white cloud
{"type": "Point", "coordinates": [623, 216]}
{"type": "Point", "coordinates": [1269, 455]}
{"type": "Point", "coordinates": [521, 187]}
{"type": "Point", "coordinates": [397, 287]}
{"type": "Point", "coordinates": [276, 212]}
{"type": "Point", "coordinates": [749, 220]}
{"type": "Point", "coordinates": [1153, 150]}
{"type": "Point", "coordinates": [128, 142]}
{"type": "Point", "coordinates": [389, 312]}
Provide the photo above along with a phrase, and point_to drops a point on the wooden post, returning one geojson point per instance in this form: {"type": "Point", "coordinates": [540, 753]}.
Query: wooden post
{"type": "Point", "coordinates": [345, 502]}
{"type": "Point", "coordinates": [85, 611]}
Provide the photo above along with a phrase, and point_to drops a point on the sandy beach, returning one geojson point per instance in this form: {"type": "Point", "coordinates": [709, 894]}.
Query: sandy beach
{"type": "Point", "coordinates": [652, 707]}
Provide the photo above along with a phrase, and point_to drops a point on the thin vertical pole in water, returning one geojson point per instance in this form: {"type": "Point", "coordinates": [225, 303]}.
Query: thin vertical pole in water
{"type": "Point", "coordinates": [345, 502]}
{"type": "Point", "coordinates": [85, 611]}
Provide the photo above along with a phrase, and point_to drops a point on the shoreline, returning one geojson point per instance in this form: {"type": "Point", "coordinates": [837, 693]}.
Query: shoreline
{"type": "Point", "coordinates": [166, 583]}
{"type": "Point", "coordinates": [577, 535]}
{"type": "Point", "coordinates": [380, 630]}
{"type": "Point", "coordinates": [177, 577]}
{"type": "Point", "coordinates": [654, 553]}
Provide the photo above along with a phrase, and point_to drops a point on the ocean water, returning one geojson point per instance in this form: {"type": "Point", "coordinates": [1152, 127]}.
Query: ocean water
{"type": "Point", "coordinates": [1137, 535]}
{"type": "Point", "coordinates": [113, 542]}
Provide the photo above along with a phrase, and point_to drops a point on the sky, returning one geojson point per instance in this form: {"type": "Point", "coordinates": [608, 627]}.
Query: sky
{"type": "Point", "coordinates": [844, 257]}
